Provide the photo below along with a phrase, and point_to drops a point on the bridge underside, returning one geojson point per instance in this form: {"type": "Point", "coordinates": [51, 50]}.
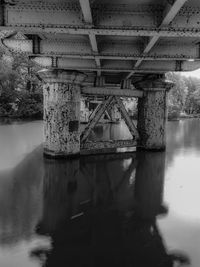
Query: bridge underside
{"type": "Point", "coordinates": [117, 49]}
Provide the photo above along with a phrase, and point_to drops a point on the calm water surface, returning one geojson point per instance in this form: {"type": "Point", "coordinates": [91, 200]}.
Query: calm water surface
{"type": "Point", "coordinates": [140, 209]}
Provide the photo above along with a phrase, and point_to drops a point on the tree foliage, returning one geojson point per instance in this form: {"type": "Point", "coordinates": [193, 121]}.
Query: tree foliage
{"type": "Point", "coordinates": [20, 89]}
{"type": "Point", "coordinates": [184, 97]}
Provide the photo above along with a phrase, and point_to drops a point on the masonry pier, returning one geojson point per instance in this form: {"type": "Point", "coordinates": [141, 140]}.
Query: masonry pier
{"type": "Point", "coordinates": [62, 133]}
{"type": "Point", "coordinates": [61, 112]}
{"type": "Point", "coordinates": [152, 114]}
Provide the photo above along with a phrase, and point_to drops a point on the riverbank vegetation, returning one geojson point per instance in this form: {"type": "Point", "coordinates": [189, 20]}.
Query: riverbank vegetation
{"type": "Point", "coordinates": [184, 97]}
{"type": "Point", "coordinates": [20, 88]}
{"type": "Point", "coordinates": [21, 91]}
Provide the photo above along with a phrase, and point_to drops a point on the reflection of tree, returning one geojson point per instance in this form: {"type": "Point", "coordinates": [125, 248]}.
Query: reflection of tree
{"type": "Point", "coordinates": [145, 246]}
{"type": "Point", "coordinates": [109, 218]}
{"type": "Point", "coordinates": [181, 135]}
{"type": "Point", "coordinates": [21, 199]}
{"type": "Point", "coordinates": [59, 196]}
{"type": "Point", "coordinates": [144, 242]}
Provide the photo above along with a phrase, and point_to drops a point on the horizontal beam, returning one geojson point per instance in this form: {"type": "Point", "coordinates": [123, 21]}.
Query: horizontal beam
{"type": "Point", "coordinates": [61, 13]}
{"type": "Point", "coordinates": [111, 92]}
{"type": "Point", "coordinates": [153, 67]}
{"type": "Point", "coordinates": [116, 70]}
{"type": "Point", "coordinates": [74, 50]}
{"type": "Point", "coordinates": [91, 145]}
{"type": "Point", "coordinates": [113, 31]}
{"type": "Point", "coordinates": [49, 48]}
{"type": "Point", "coordinates": [119, 57]}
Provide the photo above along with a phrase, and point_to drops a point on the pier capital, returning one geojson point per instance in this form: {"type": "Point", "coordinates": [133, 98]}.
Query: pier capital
{"type": "Point", "coordinates": [62, 76]}
{"type": "Point", "coordinates": [156, 84]}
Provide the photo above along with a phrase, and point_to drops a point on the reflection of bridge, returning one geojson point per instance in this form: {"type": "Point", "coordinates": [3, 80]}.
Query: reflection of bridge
{"type": "Point", "coordinates": [100, 208]}
{"type": "Point", "coordinates": [120, 49]}
{"type": "Point", "coordinates": [103, 210]}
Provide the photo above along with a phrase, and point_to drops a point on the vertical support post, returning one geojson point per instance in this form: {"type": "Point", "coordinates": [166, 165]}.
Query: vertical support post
{"type": "Point", "coordinates": [126, 84]}
{"type": "Point", "coordinates": [152, 114]}
{"type": "Point", "coordinates": [61, 112]}
{"type": "Point", "coordinates": [36, 44]}
{"type": "Point", "coordinates": [99, 81]}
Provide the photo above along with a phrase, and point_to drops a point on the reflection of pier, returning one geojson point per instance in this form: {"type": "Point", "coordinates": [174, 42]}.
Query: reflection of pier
{"type": "Point", "coordinates": [102, 212]}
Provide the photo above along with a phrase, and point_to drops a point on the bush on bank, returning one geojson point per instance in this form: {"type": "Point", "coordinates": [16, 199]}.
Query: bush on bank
{"type": "Point", "coordinates": [184, 97]}
{"type": "Point", "coordinates": [25, 105]}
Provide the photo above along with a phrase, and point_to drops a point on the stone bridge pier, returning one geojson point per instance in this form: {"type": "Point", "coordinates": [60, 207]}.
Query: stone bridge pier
{"type": "Point", "coordinates": [152, 114]}
{"type": "Point", "coordinates": [62, 96]}
{"type": "Point", "coordinates": [62, 133]}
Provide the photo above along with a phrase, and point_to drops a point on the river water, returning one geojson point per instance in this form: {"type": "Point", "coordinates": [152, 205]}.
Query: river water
{"type": "Point", "coordinates": [140, 209]}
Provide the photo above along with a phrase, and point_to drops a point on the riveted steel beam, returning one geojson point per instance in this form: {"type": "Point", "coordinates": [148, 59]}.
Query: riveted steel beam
{"type": "Point", "coordinates": [87, 14]}
{"type": "Point", "coordinates": [169, 14]}
{"type": "Point", "coordinates": [126, 57]}
{"type": "Point", "coordinates": [66, 13]}
{"type": "Point", "coordinates": [54, 62]}
{"type": "Point", "coordinates": [164, 51]}
{"type": "Point", "coordinates": [112, 31]}
{"type": "Point", "coordinates": [114, 66]}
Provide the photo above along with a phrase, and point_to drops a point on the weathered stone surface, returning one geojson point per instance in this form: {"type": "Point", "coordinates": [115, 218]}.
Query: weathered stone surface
{"type": "Point", "coordinates": [61, 112]}
{"type": "Point", "coordinates": [152, 114]}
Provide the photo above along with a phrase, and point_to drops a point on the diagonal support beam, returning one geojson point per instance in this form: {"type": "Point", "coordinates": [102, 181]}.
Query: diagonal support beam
{"type": "Point", "coordinates": [86, 10]}
{"type": "Point", "coordinates": [127, 118]}
{"type": "Point", "coordinates": [87, 15]}
{"type": "Point", "coordinates": [107, 114]}
{"type": "Point", "coordinates": [94, 111]}
{"type": "Point", "coordinates": [170, 13]}
{"type": "Point", "coordinates": [96, 118]}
